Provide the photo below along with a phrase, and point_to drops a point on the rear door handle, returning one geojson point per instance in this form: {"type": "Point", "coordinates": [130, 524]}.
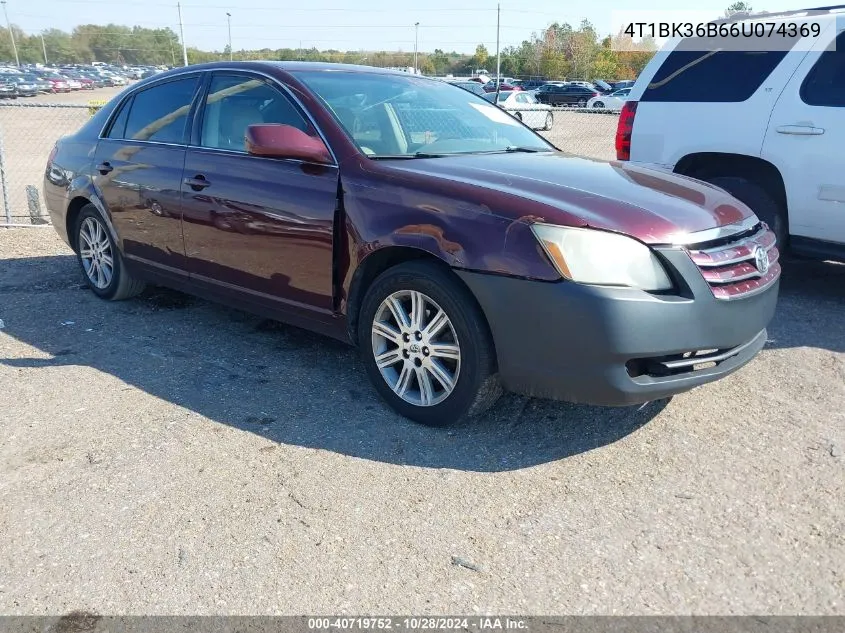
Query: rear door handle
{"type": "Point", "coordinates": [197, 183]}
{"type": "Point", "coordinates": [104, 168]}
{"type": "Point", "coordinates": [800, 130]}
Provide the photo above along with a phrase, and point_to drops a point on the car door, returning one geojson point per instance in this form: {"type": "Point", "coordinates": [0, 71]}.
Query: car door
{"type": "Point", "coordinates": [257, 227]}
{"type": "Point", "coordinates": [532, 117]}
{"type": "Point", "coordinates": [138, 173]}
{"type": "Point", "coordinates": [805, 139]}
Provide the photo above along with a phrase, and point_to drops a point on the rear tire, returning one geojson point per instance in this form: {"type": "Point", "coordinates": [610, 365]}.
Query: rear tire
{"type": "Point", "coordinates": [759, 201]}
{"type": "Point", "coordinates": [100, 260]}
{"type": "Point", "coordinates": [438, 365]}
{"type": "Point", "coordinates": [599, 104]}
{"type": "Point", "coordinates": [582, 103]}
{"type": "Point", "coordinates": [550, 121]}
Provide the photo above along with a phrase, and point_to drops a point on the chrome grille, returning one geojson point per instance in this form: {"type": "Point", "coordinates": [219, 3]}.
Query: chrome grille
{"type": "Point", "coordinates": [730, 265]}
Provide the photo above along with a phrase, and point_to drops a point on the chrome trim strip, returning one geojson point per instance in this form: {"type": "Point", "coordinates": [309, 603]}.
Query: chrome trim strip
{"type": "Point", "coordinates": [752, 293]}
{"type": "Point", "coordinates": [721, 282]}
{"type": "Point", "coordinates": [739, 244]}
{"type": "Point", "coordinates": [708, 235]}
{"type": "Point", "coordinates": [697, 360]}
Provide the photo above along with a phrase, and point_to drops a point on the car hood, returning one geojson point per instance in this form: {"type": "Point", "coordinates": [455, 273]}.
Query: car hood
{"type": "Point", "coordinates": [653, 206]}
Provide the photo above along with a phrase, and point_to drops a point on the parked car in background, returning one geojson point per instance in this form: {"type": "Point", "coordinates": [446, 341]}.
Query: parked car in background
{"type": "Point", "coordinates": [86, 83]}
{"type": "Point", "coordinates": [471, 86]}
{"type": "Point", "coordinates": [490, 86]}
{"type": "Point", "coordinates": [771, 135]}
{"type": "Point", "coordinates": [612, 101]}
{"type": "Point", "coordinates": [620, 85]}
{"type": "Point", "coordinates": [568, 94]}
{"type": "Point", "coordinates": [532, 84]}
{"type": "Point", "coordinates": [26, 84]}
{"type": "Point", "coordinates": [525, 108]}
{"type": "Point", "coordinates": [58, 83]}
{"type": "Point", "coordinates": [72, 83]}
{"type": "Point", "coordinates": [455, 247]}
{"type": "Point", "coordinates": [42, 84]}
{"type": "Point", "coordinates": [8, 87]}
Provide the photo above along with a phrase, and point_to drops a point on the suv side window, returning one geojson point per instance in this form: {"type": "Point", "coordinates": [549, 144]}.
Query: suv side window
{"type": "Point", "coordinates": [824, 85]}
{"type": "Point", "coordinates": [693, 73]}
{"type": "Point", "coordinates": [235, 102]}
{"type": "Point", "coordinates": [160, 113]}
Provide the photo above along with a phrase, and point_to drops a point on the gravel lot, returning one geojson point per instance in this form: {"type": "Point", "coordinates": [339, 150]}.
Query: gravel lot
{"type": "Point", "coordinates": [166, 455]}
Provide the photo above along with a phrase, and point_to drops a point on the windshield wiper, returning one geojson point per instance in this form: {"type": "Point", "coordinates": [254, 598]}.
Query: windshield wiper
{"type": "Point", "coordinates": [527, 150]}
{"type": "Point", "coordinates": [406, 156]}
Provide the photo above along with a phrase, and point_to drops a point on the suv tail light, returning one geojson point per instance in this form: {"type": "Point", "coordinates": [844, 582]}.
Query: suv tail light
{"type": "Point", "coordinates": [624, 129]}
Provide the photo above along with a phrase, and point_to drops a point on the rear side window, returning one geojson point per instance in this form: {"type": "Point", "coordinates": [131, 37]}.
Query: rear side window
{"type": "Point", "coordinates": [717, 76]}
{"type": "Point", "coordinates": [825, 83]}
{"type": "Point", "coordinates": [118, 126]}
{"type": "Point", "coordinates": [161, 112]}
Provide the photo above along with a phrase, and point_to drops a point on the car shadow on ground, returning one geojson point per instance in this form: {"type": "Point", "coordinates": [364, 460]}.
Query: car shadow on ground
{"type": "Point", "coordinates": [294, 387]}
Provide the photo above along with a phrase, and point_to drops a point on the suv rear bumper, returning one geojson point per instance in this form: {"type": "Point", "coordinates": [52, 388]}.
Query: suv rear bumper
{"type": "Point", "coordinates": [617, 346]}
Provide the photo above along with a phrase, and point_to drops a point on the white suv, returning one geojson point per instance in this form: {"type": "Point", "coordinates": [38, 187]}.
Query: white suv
{"type": "Point", "coordinates": [768, 127]}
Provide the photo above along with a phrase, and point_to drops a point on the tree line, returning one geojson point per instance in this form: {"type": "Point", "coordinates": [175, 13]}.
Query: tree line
{"type": "Point", "coordinates": [557, 52]}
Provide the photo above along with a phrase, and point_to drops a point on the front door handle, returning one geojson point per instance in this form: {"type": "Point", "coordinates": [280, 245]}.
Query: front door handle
{"type": "Point", "coordinates": [104, 168]}
{"type": "Point", "coordinates": [197, 183]}
{"type": "Point", "coordinates": [800, 130]}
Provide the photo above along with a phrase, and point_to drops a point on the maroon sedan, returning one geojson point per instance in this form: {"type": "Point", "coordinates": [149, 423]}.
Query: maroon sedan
{"type": "Point", "coordinates": [460, 251]}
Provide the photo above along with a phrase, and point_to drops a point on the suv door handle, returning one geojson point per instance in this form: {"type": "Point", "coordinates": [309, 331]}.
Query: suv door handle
{"type": "Point", "coordinates": [104, 168]}
{"type": "Point", "coordinates": [197, 183]}
{"type": "Point", "coordinates": [800, 130]}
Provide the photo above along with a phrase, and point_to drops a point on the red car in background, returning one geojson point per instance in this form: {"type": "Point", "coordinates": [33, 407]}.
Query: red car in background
{"type": "Point", "coordinates": [58, 83]}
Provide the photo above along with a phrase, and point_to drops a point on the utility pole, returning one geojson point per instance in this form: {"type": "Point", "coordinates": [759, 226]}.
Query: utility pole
{"type": "Point", "coordinates": [229, 20]}
{"type": "Point", "coordinates": [182, 35]}
{"type": "Point", "coordinates": [11, 34]}
{"type": "Point", "coordinates": [416, 42]}
{"type": "Point", "coordinates": [44, 48]}
{"type": "Point", "coordinates": [498, 52]}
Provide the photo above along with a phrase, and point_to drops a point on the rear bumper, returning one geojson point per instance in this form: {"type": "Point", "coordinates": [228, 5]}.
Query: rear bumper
{"type": "Point", "coordinates": [617, 346]}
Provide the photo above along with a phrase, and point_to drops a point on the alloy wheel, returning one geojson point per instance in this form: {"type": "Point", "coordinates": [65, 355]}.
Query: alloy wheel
{"type": "Point", "coordinates": [96, 253]}
{"type": "Point", "coordinates": [416, 348]}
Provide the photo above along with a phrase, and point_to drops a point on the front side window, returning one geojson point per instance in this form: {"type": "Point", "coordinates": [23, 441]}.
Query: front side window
{"type": "Point", "coordinates": [403, 115]}
{"type": "Point", "coordinates": [160, 113]}
{"type": "Point", "coordinates": [235, 102]}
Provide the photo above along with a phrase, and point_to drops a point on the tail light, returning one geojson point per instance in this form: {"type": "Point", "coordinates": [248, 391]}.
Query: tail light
{"type": "Point", "coordinates": [624, 129]}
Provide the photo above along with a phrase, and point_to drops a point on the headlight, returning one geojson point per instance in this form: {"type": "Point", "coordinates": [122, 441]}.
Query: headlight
{"type": "Point", "coordinates": [598, 257]}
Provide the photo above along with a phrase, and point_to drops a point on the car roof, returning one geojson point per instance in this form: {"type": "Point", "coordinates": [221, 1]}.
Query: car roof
{"type": "Point", "coordinates": [285, 65]}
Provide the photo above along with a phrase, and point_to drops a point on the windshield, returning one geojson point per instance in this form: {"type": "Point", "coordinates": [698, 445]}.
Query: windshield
{"type": "Point", "coordinates": [407, 116]}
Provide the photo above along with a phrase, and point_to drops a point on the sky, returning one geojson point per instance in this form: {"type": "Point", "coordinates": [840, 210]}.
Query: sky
{"type": "Point", "coordinates": [457, 25]}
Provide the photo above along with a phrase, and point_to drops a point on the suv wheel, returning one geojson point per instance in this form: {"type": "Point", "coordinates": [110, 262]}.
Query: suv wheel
{"type": "Point", "coordinates": [426, 346]}
{"type": "Point", "coordinates": [759, 201]}
{"type": "Point", "coordinates": [100, 260]}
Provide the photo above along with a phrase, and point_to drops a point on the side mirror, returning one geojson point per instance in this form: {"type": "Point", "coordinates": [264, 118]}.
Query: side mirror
{"type": "Point", "coordinates": [285, 141]}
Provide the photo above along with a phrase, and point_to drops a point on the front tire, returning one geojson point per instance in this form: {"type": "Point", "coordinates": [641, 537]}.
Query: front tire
{"type": "Point", "coordinates": [550, 121]}
{"type": "Point", "coordinates": [599, 105]}
{"type": "Point", "coordinates": [100, 260]}
{"type": "Point", "coordinates": [426, 346]}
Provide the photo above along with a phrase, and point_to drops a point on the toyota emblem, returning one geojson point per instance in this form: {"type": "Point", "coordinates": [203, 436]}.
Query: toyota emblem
{"type": "Point", "coordinates": [761, 259]}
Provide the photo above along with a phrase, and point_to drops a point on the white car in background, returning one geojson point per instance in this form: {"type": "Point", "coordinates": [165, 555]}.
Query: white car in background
{"type": "Point", "coordinates": [613, 101]}
{"type": "Point", "coordinates": [523, 106]}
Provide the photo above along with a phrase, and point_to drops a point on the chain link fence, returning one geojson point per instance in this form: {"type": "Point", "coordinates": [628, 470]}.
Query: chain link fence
{"type": "Point", "coordinates": [28, 132]}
